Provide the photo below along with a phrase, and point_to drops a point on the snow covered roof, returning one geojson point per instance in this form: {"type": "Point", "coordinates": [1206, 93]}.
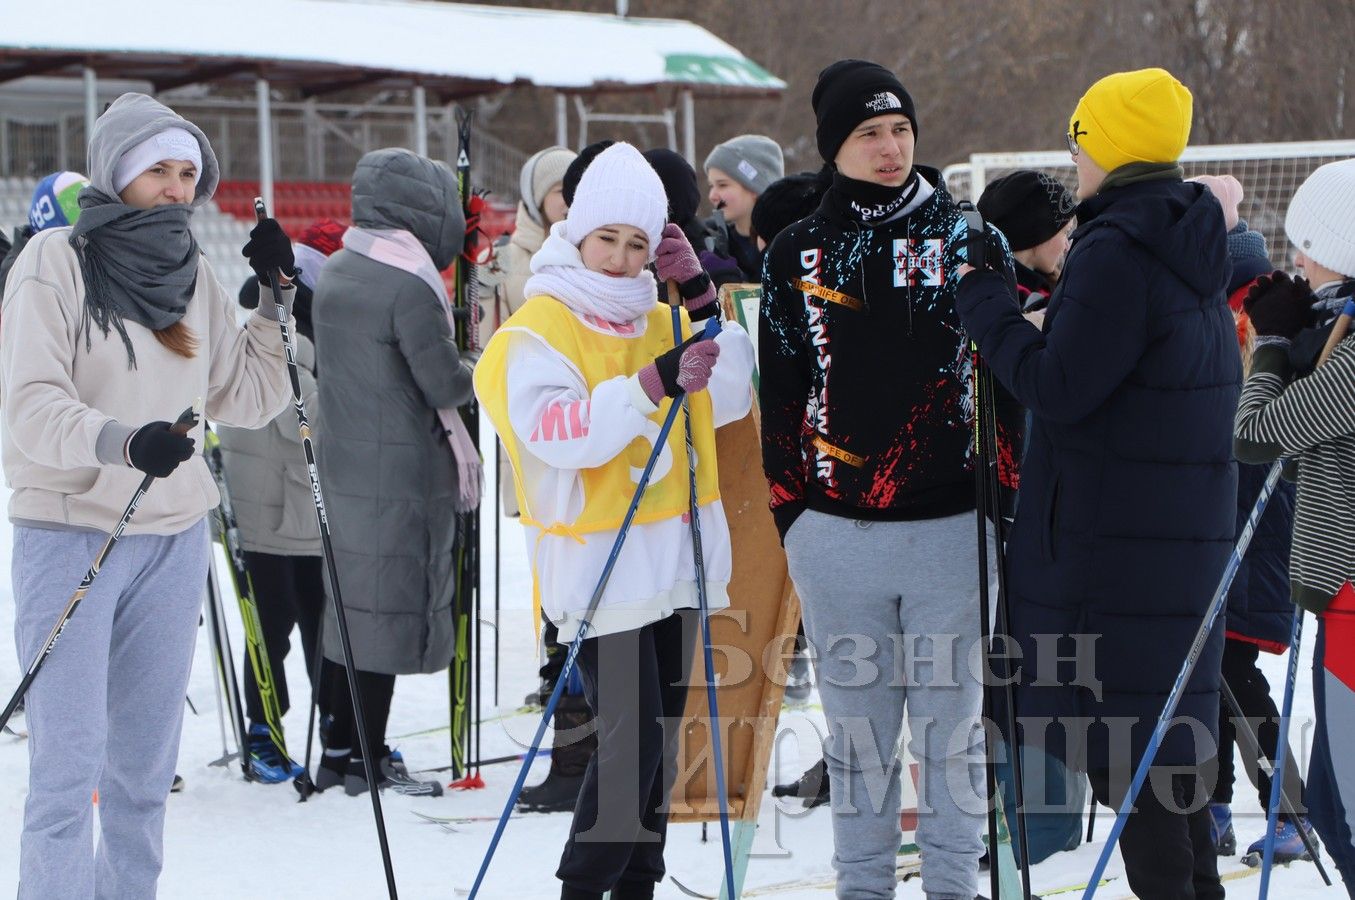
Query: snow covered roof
{"type": "Point", "coordinates": [457, 48]}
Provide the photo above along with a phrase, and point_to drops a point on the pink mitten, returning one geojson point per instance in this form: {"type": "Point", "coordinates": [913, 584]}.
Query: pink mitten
{"type": "Point", "coordinates": [685, 368]}
{"type": "Point", "coordinates": [675, 260]}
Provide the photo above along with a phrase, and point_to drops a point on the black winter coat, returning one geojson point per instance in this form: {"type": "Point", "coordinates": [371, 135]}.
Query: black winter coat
{"type": "Point", "coordinates": [1128, 487]}
{"type": "Point", "coordinates": [1260, 610]}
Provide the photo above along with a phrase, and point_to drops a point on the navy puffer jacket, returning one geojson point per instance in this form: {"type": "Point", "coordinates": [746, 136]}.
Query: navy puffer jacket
{"type": "Point", "coordinates": [1128, 487]}
{"type": "Point", "coordinates": [1260, 610]}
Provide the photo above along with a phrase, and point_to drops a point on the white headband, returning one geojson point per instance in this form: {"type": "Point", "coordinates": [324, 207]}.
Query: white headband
{"type": "Point", "coordinates": [172, 143]}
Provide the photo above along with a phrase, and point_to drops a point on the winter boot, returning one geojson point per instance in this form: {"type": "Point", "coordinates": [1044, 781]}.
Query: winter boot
{"type": "Point", "coordinates": [811, 788]}
{"type": "Point", "coordinates": [1288, 844]}
{"type": "Point", "coordinates": [1221, 829]}
{"type": "Point", "coordinates": [332, 769]}
{"type": "Point", "coordinates": [569, 758]}
{"type": "Point", "coordinates": [268, 764]}
{"type": "Point", "coordinates": [394, 776]}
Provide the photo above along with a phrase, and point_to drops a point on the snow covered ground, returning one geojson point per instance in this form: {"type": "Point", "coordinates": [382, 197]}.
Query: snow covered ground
{"type": "Point", "coordinates": [226, 838]}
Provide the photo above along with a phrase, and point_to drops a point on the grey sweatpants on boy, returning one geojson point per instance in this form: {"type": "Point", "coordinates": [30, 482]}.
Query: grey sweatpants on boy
{"type": "Point", "coordinates": [891, 609]}
{"type": "Point", "coordinates": [106, 709]}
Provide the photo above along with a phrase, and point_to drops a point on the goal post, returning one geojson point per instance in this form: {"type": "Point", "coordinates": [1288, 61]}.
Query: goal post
{"type": "Point", "coordinates": [1269, 174]}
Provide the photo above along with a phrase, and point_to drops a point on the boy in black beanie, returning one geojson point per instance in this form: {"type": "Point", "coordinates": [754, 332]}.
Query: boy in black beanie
{"type": "Point", "coordinates": [867, 423]}
{"type": "Point", "coordinates": [1033, 210]}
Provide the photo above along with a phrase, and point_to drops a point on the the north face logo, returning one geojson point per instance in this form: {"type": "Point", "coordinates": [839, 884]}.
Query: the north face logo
{"type": "Point", "coordinates": [883, 102]}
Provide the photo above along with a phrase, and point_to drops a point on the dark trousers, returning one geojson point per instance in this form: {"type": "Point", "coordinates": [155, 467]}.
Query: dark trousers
{"type": "Point", "coordinates": [1168, 854]}
{"type": "Point", "coordinates": [636, 684]}
{"type": "Point", "coordinates": [289, 591]}
{"type": "Point", "coordinates": [1252, 690]}
{"type": "Point", "coordinates": [375, 690]}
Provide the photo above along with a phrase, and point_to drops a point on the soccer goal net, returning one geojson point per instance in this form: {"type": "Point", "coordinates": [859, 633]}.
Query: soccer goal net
{"type": "Point", "coordinates": [1269, 173]}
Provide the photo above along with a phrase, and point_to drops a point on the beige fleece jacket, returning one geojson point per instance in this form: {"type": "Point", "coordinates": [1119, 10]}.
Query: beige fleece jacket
{"type": "Point", "coordinates": [56, 396]}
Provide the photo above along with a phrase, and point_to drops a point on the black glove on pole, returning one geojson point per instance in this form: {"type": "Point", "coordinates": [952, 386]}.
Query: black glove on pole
{"type": "Point", "coordinates": [269, 249]}
{"type": "Point", "coordinates": [1279, 306]}
{"type": "Point", "coordinates": [181, 427]}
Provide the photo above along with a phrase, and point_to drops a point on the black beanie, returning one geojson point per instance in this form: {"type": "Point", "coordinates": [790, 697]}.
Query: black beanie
{"type": "Point", "coordinates": [849, 92]}
{"type": "Point", "coordinates": [1029, 207]}
{"type": "Point", "coordinates": [570, 182]}
{"type": "Point", "coordinates": [786, 202]}
{"type": "Point", "coordinates": [679, 183]}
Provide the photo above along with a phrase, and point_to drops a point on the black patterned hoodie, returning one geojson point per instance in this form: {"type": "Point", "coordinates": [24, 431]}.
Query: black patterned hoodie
{"type": "Point", "coordinates": [865, 379]}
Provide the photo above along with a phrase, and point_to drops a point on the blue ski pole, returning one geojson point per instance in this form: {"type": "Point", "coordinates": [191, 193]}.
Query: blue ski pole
{"type": "Point", "coordinates": [1281, 749]}
{"type": "Point", "coordinates": [1178, 688]}
{"type": "Point", "coordinates": [712, 328]}
{"type": "Point", "coordinates": [712, 706]}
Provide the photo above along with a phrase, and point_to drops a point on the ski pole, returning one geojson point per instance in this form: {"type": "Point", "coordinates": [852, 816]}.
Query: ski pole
{"type": "Point", "coordinates": [1178, 688]}
{"type": "Point", "coordinates": [987, 403]}
{"type": "Point", "coordinates": [1281, 750]}
{"type": "Point", "coordinates": [303, 783]}
{"type": "Point", "coordinates": [308, 448]}
{"type": "Point", "coordinates": [184, 424]}
{"type": "Point", "coordinates": [712, 706]}
{"type": "Point", "coordinates": [1241, 722]}
{"type": "Point", "coordinates": [226, 755]}
{"type": "Point", "coordinates": [985, 638]}
{"type": "Point", "coordinates": [498, 499]}
{"type": "Point", "coordinates": [1338, 331]}
{"type": "Point", "coordinates": [226, 660]}
{"type": "Point", "coordinates": [712, 327]}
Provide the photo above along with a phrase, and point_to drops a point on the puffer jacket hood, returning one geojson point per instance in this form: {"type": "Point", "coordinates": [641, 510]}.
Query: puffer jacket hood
{"type": "Point", "coordinates": [1179, 223]}
{"type": "Point", "coordinates": [128, 121]}
{"type": "Point", "coordinates": [396, 188]}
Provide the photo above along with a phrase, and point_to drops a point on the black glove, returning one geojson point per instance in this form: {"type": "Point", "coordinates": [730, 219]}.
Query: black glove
{"type": "Point", "coordinates": [156, 450]}
{"type": "Point", "coordinates": [1279, 306]}
{"type": "Point", "coordinates": [269, 249]}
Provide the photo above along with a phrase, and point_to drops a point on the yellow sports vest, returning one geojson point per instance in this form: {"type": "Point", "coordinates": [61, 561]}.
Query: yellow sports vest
{"type": "Point", "coordinates": [607, 489]}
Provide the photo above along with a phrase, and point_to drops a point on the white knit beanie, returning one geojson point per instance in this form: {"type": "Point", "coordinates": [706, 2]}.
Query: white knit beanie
{"type": "Point", "coordinates": [541, 172]}
{"type": "Point", "coordinates": [618, 188]}
{"type": "Point", "coordinates": [172, 143]}
{"type": "Point", "coordinates": [1321, 217]}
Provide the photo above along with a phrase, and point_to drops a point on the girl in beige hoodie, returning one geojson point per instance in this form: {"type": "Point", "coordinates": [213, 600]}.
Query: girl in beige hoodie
{"type": "Point", "coordinates": [111, 328]}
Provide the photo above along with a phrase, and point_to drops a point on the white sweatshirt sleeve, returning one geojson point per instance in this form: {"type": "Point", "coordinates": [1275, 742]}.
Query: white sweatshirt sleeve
{"type": "Point", "coordinates": [731, 381]}
{"type": "Point", "coordinates": [555, 417]}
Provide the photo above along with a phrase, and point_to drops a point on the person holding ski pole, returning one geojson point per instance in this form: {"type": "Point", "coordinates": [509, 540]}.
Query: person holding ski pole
{"type": "Point", "coordinates": [111, 326]}
{"type": "Point", "coordinates": [1128, 486]}
{"type": "Point", "coordinates": [388, 368]}
{"type": "Point", "coordinates": [867, 399]}
{"type": "Point", "coordinates": [1292, 406]}
{"type": "Point", "coordinates": [577, 382]}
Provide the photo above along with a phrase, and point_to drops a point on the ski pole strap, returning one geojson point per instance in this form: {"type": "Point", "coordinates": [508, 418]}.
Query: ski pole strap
{"type": "Point", "coordinates": [832, 296]}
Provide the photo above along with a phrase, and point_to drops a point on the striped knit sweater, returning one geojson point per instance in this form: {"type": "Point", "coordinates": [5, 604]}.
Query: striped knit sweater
{"type": "Point", "coordinates": [1312, 419]}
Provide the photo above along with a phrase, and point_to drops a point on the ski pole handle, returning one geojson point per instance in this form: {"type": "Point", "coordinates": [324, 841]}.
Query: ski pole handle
{"type": "Point", "coordinates": [674, 296]}
{"type": "Point", "coordinates": [1338, 331]}
{"type": "Point", "coordinates": [188, 419]}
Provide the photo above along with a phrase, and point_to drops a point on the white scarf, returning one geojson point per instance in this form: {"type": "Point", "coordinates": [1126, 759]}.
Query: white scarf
{"type": "Point", "coordinates": [558, 270]}
{"type": "Point", "coordinates": [402, 250]}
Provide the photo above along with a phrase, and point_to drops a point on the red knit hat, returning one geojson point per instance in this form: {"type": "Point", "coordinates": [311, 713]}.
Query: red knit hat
{"type": "Point", "coordinates": [325, 235]}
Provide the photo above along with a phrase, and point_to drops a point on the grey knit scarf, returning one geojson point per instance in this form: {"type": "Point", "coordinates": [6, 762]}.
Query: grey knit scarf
{"type": "Point", "coordinates": [140, 264]}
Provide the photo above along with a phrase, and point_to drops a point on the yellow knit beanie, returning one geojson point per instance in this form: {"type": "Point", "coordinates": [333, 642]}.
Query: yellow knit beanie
{"type": "Point", "coordinates": [1141, 116]}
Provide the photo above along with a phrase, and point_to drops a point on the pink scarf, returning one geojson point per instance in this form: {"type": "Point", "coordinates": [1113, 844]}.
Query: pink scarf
{"type": "Point", "coordinates": [402, 250]}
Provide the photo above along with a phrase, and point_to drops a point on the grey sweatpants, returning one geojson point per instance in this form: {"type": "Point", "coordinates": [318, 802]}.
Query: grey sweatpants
{"type": "Point", "coordinates": [106, 709]}
{"type": "Point", "coordinates": [891, 609]}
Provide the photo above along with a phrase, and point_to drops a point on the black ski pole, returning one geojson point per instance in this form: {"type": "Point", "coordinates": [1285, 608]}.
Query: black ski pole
{"type": "Point", "coordinates": [987, 401]}
{"type": "Point", "coordinates": [226, 661]}
{"type": "Point", "coordinates": [182, 425]}
{"type": "Point", "coordinates": [308, 448]}
{"type": "Point", "coordinates": [1243, 725]}
{"type": "Point", "coordinates": [303, 783]}
{"type": "Point", "coordinates": [498, 514]}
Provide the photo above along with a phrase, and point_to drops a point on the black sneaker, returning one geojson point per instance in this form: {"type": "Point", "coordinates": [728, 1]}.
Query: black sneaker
{"type": "Point", "coordinates": [558, 793]}
{"type": "Point", "coordinates": [811, 788]}
{"type": "Point", "coordinates": [393, 777]}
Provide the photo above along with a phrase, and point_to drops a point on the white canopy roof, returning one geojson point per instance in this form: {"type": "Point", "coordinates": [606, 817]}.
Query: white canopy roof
{"type": "Point", "coordinates": [457, 47]}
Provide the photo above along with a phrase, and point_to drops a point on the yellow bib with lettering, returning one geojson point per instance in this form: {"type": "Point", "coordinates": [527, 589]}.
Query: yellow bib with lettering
{"type": "Point", "coordinates": [600, 353]}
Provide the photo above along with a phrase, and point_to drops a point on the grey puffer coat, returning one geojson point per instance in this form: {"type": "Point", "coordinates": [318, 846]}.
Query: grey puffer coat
{"type": "Point", "coordinates": [266, 474]}
{"type": "Point", "coordinates": [389, 361]}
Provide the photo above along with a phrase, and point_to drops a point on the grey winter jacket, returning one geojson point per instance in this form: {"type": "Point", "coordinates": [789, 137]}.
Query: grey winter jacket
{"type": "Point", "coordinates": [389, 361]}
{"type": "Point", "coordinates": [266, 474]}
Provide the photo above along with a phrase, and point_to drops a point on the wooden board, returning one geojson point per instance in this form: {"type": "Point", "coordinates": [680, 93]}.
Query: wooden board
{"type": "Point", "coordinates": [753, 639]}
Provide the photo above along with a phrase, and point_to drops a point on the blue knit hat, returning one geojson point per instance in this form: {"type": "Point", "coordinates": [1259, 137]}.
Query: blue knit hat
{"type": "Point", "coordinates": [54, 201]}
